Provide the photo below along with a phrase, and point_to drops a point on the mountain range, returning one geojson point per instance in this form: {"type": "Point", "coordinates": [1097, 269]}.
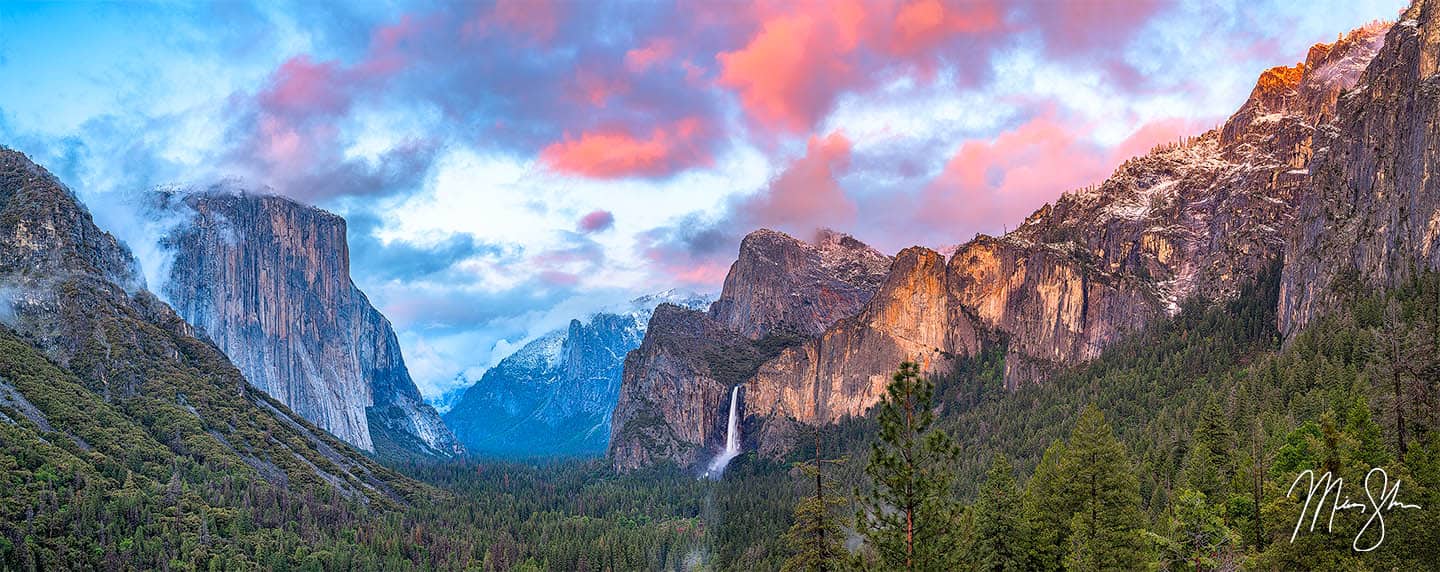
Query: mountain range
{"type": "Point", "coordinates": [554, 396]}
{"type": "Point", "coordinates": [1222, 314]}
{"type": "Point", "coordinates": [810, 331]}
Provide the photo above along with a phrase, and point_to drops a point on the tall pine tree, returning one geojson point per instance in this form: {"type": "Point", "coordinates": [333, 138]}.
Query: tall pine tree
{"type": "Point", "coordinates": [1001, 543]}
{"type": "Point", "coordinates": [815, 537]}
{"type": "Point", "coordinates": [909, 516]}
{"type": "Point", "coordinates": [1106, 529]}
{"type": "Point", "coordinates": [1210, 462]}
{"type": "Point", "coordinates": [1047, 512]}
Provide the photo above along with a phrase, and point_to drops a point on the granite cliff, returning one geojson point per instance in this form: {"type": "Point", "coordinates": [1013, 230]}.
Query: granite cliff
{"type": "Point", "coordinates": [780, 283]}
{"type": "Point", "coordinates": [125, 385]}
{"type": "Point", "coordinates": [1373, 218]}
{"type": "Point", "coordinates": [780, 292]}
{"type": "Point", "coordinates": [268, 281]}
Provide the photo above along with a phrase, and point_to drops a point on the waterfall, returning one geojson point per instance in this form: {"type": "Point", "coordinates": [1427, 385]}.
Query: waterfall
{"type": "Point", "coordinates": [732, 438]}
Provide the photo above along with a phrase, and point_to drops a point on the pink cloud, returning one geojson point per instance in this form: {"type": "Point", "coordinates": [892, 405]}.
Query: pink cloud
{"type": "Point", "coordinates": [616, 153]}
{"type": "Point", "coordinates": [704, 274]}
{"type": "Point", "coordinates": [301, 85]}
{"type": "Point", "coordinates": [796, 58]}
{"type": "Point", "coordinates": [655, 51]}
{"type": "Point", "coordinates": [534, 19]}
{"type": "Point", "coordinates": [596, 221]}
{"type": "Point", "coordinates": [677, 268]}
{"type": "Point", "coordinates": [924, 24]}
{"type": "Point", "coordinates": [388, 46]}
{"type": "Point", "coordinates": [596, 88]}
{"type": "Point", "coordinates": [806, 195]}
{"type": "Point", "coordinates": [789, 73]}
{"type": "Point", "coordinates": [558, 278]}
{"type": "Point", "coordinates": [1003, 179]}
{"type": "Point", "coordinates": [1072, 27]}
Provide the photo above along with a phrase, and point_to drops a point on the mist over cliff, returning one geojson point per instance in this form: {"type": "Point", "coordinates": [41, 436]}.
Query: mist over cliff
{"type": "Point", "coordinates": [268, 281]}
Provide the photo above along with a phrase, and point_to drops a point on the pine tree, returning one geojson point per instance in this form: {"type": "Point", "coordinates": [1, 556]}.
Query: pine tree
{"type": "Point", "coordinates": [1047, 511]}
{"type": "Point", "coordinates": [1394, 361]}
{"type": "Point", "coordinates": [1200, 539]}
{"type": "Point", "coordinates": [815, 537]}
{"type": "Point", "coordinates": [1106, 529]}
{"type": "Point", "coordinates": [909, 515]}
{"type": "Point", "coordinates": [1001, 542]}
{"type": "Point", "coordinates": [1210, 462]}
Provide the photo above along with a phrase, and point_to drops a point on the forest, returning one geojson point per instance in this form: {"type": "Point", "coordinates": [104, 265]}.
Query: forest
{"type": "Point", "coordinates": [1173, 451]}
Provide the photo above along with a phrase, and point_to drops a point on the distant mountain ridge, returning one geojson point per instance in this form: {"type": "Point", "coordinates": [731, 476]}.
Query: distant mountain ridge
{"type": "Point", "coordinates": [267, 279]}
{"type": "Point", "coordinates": [555, 395]}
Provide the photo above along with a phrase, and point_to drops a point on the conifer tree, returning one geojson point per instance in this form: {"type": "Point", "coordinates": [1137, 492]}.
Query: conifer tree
{"type": "Point", "coordinates": [909, 515]}
{"type": "Point", "coordinates": [1200, 539]}
{"type": "Point", "coordinates": [1047, 512]}
{"type": "Point", "coordinates": [1106, 529]}
{"type": "Point", "coordinates": [1394, 362]}
{"type": "Point", "coordinates": [1210, 462]}
{"type": "Point", "coordinates": [1000, 537]}
{"type": "Point", "coordinates": [815, 537]}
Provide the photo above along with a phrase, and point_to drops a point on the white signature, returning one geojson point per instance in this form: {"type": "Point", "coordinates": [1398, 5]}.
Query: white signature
{"type": "Point", "coordinates": [1326, 483]}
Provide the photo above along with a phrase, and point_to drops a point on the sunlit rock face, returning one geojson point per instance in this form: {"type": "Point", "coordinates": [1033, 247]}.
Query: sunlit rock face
{"type": "Point", "coordinates": [1194, 219]}
{"type": "Point", "coordinates": [843, 371]}
{"type": "Point", "coordinates": [268, 281]}
{"type": "Point", "coordinates": [1374, 216]}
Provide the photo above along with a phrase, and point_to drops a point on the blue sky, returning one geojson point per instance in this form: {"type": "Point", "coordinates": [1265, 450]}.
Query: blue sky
{"type": "Point", "coordinates": [506, 166]}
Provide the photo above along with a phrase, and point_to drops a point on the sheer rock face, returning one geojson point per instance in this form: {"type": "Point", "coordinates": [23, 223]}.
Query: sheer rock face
{"type": "Point", "coordinates": [73, 292]}
{"type": "Point", "coordinates": [1055, 308]}
{"type": "Point", "coordinates": [674, 397]}
{"type": "Point", "coordinates": [916, 315]}
{"type": "Point", "coordinates": [556, 394]}
{"type": "Point", "coordinates": [779, 282]}
{"type": "Point", "coordinates": [1193, 220]}
{"type": "Point", "coordinates": [268, 281]}
{"type": "Point", "coordinates": [1374, 215]}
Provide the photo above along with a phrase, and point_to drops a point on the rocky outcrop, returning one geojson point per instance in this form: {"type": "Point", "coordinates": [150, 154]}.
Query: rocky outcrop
{"type": "Point", "coordinates": [555, 395]}
{"type": "Point", "coordinates": [1373, 218]}
{"type": "Point", "coordinates": [1196, 219]}
{"type": "Point", "coordinates": [268, 281]}
{"type": "Point", "coordinates": [675, 385]}
{"type": "Point", "coordinates": [1055, 307]}
{"type": "Point", "coordinates": [73, 292]}
{"type": "Point", "coordinates": [779, 283]}
{"type": "Point", "coordinates": [779, 292]}
{"type": "Point", "coordinates": [916, 315]}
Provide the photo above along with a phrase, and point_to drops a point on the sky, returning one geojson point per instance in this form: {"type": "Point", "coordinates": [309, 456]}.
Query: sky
{"type": "Point", "coordinates": [505, 166]}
